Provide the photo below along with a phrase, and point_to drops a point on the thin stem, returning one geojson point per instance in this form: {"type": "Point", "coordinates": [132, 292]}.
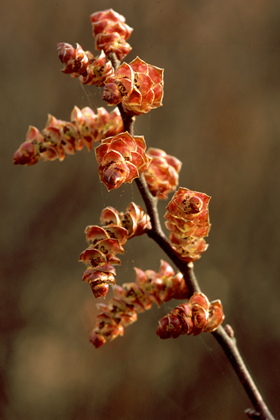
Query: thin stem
{"type": "Point", "coordinates": [228, 344]}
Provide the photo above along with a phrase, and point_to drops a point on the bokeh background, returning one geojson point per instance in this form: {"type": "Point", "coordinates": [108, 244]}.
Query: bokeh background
{"type": "Point", "coordinates": [221, 118]}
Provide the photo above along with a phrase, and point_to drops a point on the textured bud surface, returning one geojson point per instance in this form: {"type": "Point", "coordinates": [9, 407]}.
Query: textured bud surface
{"type": "Point", "coordinates": [111, 32]}
{"type": "Point", "coordinates": [193, 317]}
{"type": "Point", "coordinates": [133, 298]}
{"type": "Point", "coordinates": [83, 64]}
{"type": "Point", "coordinates": [121, 159]}
{"type": "Point", "coordinates": [162, 173]}
{"type": "Point", "coordinates": [107, 241]}
{"type": "Point", "coordinates": [187, 219]}
{"type": "Point", "coordinates": [138, 86]}
{"type": "Point", "coordinates": [60, 138]}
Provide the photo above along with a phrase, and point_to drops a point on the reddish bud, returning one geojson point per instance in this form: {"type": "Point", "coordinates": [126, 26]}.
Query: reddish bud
{"type": "Point", "coordinates": [138, 86]}
{"type": "Point", "coordinates": [187, 218]}
{"type": "Point", "coordinates": [121, 159]}
{"type": "Point", "coordinates": [97, 339]}
{"type": "Point", "coordinates": [193, 317]}
{"type": "Point", "coordinates": [162, 173]}
{"type": "Point", "coordinates": [27, 154]}
{"type": "Point", "coordinates": [83, 64]}
{"type": "Point", "coordinates": [111, 33]}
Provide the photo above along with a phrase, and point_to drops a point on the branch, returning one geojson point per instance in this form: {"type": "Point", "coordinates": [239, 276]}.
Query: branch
{"type": "Point", "coordinates": [224, 337]}
{"type": "Point", "coordinates": [227, 342]}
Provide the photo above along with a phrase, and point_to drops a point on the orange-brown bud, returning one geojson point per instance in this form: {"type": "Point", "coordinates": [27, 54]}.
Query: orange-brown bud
{"type": "Point", "coordinates": [134, 220]}
{"type": "Point", "coordinates": [121, 159]}
{"type": "Point", "coordinates": [193, 317]}
{"type": "Point", "coordinates": [137, 85]}
{"type": "Point", "coordinates": [107, 241]}
{"type": "Point", "coordinates": [83, 64]}
{"type": "Point", "coordinates": [111, 32]}
{"type": "Point", "coordinates": [162, 173]}
{"type": "Point", "coordinates": [187, 218]}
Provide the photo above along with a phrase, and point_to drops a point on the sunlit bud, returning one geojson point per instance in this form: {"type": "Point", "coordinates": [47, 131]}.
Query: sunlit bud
{"type": "Point", "coordinates": [187, 213]}
{"type": "Point", "coordinates": [111, 32]}
{"type": "Point", "coordinates": [137, 85]}
{"type": "Point", "coordinates": [190, 248]}
{"type": "Point", "coordinates": [162, 173]}
{"type": "Point", "coordinates": [193, 317]}
{"type": "Point", "coordinates": [216, 316]}
{"type": "Point", "coordinates": [99, 279]}
{"type": "Point", "coordinates": [135, 220]}
{"type": "Point", "coordinates": [187, 218]}
{"type": "Point", "coordinates": [93, 127]}
{"type": "Point", "coordinates": [121, 159]}
{"type": "Point", "coordinates": [79, 63]}
{"type": "Point", "coordinates": [110, 216]}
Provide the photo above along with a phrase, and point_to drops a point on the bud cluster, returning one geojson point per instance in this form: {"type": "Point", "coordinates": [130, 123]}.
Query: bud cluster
{"type": "Point", "coordinates": [111, 32]}
{"type": "Point", "coordinates": [136, 88]}
{"type": "Point", "coordinates": [187, 218]}
{"type": "Point", "coordinates": [133, 298]}
{"type": "Point", "coordinates": [121, 158]}
{"type": "Point", "coordinates": [162, 174]}
{"type": "Point", "coordinates": [59, 138]}
{"type": "Point", "coordinates": [107, 241]}
{"type": "Point", "coordinates": [193, 317]}
{"type": "Point", "coordinates": [83, 64]}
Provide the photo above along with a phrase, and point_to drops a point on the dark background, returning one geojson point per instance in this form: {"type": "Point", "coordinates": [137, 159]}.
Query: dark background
{"type": "Point", "coordinates": [221, 118]}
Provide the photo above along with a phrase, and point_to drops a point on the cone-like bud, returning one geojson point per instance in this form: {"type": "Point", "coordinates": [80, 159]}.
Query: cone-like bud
{"type": "Point", "coordinates": [121, 158]}
{"type": "Point", "coordinates": [133, 298]}
{"type": "Point", "coordinates": [107, 241]}
{"type": "Point", "coordinates": [100, 257]}
{"type": "Point", "coordinates": [59, 138]}
{"type": "Point", "coordinates": [187, 218]}
{"type": "Point", "coordinates": [137, 85]}
{"type": "Point", "coordinates": [111, 32]}
{"type": "Point", "coordinates": [193, 317]}
{"type": "Point", "coordinates": [134, 219]}
{"type": "Point", "coordinates": [162, 173]}
{"type": "Point", "coordinates": [79, 63]}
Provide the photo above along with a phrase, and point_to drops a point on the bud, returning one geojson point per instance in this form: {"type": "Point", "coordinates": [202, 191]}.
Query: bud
{"type": "Point", "coordinates": [83, 64]}
{"type": "Point", "coordinates": [193, 317]}
{"type": "Point", "coordinates": [135, 221]}
{"type": "Point", "coordinates": [111, 32]}
{"type": "Point", "coordinates": [187, 218]}
{"type": "Point", "coordinates": [162, 173]}
{"type": "Point", "coordinates": [121, 159]}
{"type": "Point", "coordinates": [138, 86]}
{"type": "Point", "coordinates": [106, 242]}
{"type": "Point", "coordinates": [95, 127]}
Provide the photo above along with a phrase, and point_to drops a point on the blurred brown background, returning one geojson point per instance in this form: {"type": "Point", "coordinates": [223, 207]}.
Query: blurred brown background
{"type": "Point", "coordinates": [221, 118]}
